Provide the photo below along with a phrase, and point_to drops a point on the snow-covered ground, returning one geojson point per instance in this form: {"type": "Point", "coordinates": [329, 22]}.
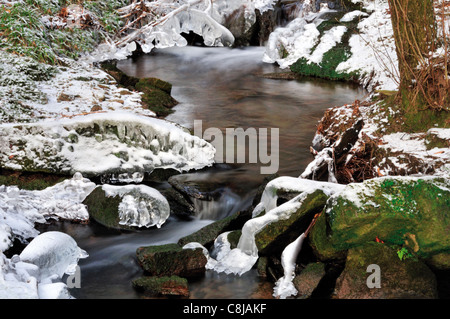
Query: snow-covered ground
{"type": "Point", "coordinates": [373, 53]}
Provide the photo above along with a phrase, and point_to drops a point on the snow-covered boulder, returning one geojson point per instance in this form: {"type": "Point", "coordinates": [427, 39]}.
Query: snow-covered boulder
{"type": "Point", "coordinates": [409, 212]}
{"type": "Point", "coordinates": [125, 207]}
{"type": "Point", "coordinates": [108, 144]}
{"type": "Point", "coordinates": [37, 272]}
{"type": "Point", "coordinates": [55, 253]}
{"type": "Point", "coordinates": [21, 209]}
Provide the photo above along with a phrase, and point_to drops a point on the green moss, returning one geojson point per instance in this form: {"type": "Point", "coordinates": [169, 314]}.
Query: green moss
{"type": "Point", "coordinates": [320, 241]}
{"type": "Point", "coordinates": [278, 234]}
{"type": "Point", "coordinates": [171, 259]}
{"type": "Point", "coordinates": [166, 286]}
{"type": "Point", "coordinates": [400, 212]}
{"type": "Point", "coordinates": [332, 58]}
{"type": "Point", "coordinates": [29, 181]}
{"type": "Point", "coordinates": [155, 98]}
{"type": "Point", "coordinates": [104, 210]}
{"type": "Point", "coordinates": [233, 238]}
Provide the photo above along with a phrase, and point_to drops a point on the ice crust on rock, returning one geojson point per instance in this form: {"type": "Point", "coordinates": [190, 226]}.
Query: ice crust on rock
{"type": "Point", "coordinates": [37, 272]}
{"type": "Point", "coordinates": [171, 18]}
{"type": "Point", "coordinates": [242, 258]}
{"type": "Point", "coordinates": [103, 143]}
{"type": "Point", "coordinates": [21, 209]}
{"type": "Point", "coordinates": [141, 206]}
{"type": "Point", "coordinates": [55, 253]}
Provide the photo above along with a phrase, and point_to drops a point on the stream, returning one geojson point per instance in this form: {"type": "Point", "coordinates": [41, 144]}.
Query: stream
{"type": "Point", "coordinates": [223, 88]}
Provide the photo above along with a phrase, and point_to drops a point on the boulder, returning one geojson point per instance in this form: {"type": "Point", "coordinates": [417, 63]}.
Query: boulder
{"type": "Point", "coordinates": [405, 211]}
{"type": "Point", "coordinates": [308, 279]}
{"type": "Point", "coordinates": [127, 207]}
{"type": "Point", "coordinates": [118, 144]}
{"type": "Point", "coordinates": [405, 279]}
{"type": "Point", "coordinates": [171, 259]}
{"type": "Point", "coordinates": [276, 235]}
{"type": "Point", "coordinates": [162, 286]}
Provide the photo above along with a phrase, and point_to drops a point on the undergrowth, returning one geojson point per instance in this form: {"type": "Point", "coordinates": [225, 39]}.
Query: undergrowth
{"type": "Point", "coordinates": [23, 32]}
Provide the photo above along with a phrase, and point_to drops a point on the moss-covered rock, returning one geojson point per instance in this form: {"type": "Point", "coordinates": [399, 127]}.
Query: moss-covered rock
{"type": "Point", "coordinates": [127, 207]}
{"type": "Point", "coordinates": [104, 210]}
{"type": "Point", "coordinates": [162, 286]}
{"type": "Point", "coordinates": [156, 96]}
{"type": "Point", "coordinates": [332, 58]}
{"type": "Point", "coordinates": [405, 211]}
{"type": "Point", "coordinates": [407, 278]}
{"type": "Point", "coordinates": [278, 234]}
{"type": "Point", "coordinates": [157, 92]}
{"type": "Point", "coordinates": [308, 279]}
{"type": "Point", "coordinates": [320, 241]}
{"type": "Point", "coordinates": [171, 259]}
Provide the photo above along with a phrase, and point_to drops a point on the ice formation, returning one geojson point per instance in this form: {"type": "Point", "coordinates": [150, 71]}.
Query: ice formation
{"type": "Point", "coordinates": [102, 143]}
{"type": "Point", "coordinates": [38, 270]}
{"type": "Point", "coordinates": [296, 40]}
{"type": "Point", "coordinates": [21, 209]}
{"type": "Point", "coordinates": [284, 286]}
{"type": "Point", "coordinates": [55, 253]}
{"type": "Point", "coordinates": [172, 18]}
{"type": "Point", "coordinates": [241, 259]}
{"type": "Point", "coordinates": [141, 206]}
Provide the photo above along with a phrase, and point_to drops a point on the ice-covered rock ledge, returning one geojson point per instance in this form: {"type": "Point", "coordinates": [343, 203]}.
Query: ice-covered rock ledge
{"type": "Point", "coordinates": [112, 143]}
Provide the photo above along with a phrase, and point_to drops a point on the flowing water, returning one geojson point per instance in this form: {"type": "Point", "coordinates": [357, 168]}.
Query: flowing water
{"type": "Point", "coordinates": [224, 89]}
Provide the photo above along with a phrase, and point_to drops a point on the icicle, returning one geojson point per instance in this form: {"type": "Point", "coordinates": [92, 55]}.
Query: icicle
{"type": "Point", "coordinates": [284, 287]}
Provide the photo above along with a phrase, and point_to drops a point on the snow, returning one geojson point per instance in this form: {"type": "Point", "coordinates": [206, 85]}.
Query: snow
{"type": "Point", "coordinates": [58, 92]}
{"type": "Point", "coordinates": [141, 206]}
{"type": "Point", "coordinates": [241, 259]}
{"type": "Point", "coordinates": [284, 287]}
{"type": "Point", "coordinates": [55, 253]}
{"type": "Point", "coordinates": [37, 272]}
{"type": "Point", "coordinates": [329, 39]}
{"type": "Point", "coordinates": [288, 44]}
{"type": "Point", "coordinates": [21, 209]}
{"type": "Point", "coordinates": [293, 184]}
{"type": "Point", "coordinates": [373, 49]}
{"type": "Point", "coordinates": [350, 16]}
{"type": "Point", "coordinates": [122, 144]}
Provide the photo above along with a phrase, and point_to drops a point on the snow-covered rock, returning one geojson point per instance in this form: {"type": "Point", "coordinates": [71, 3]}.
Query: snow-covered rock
{"type": "Point", "coordinates": [21, 209]}
{"type": "Point", "coordinates": [242, 258]}
{"type": "Point", "coordinates": [128, 206]}
{"type": "Point", "coordinates": [37, 272]}
{"type": "Point", "coordinates": [102, 144]}
{"type": "Point", "coordinates": [55, 253]}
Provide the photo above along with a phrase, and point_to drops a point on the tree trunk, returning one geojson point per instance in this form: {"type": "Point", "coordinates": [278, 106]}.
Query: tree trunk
{"type": "Point", "coordinates": [415, 34]}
